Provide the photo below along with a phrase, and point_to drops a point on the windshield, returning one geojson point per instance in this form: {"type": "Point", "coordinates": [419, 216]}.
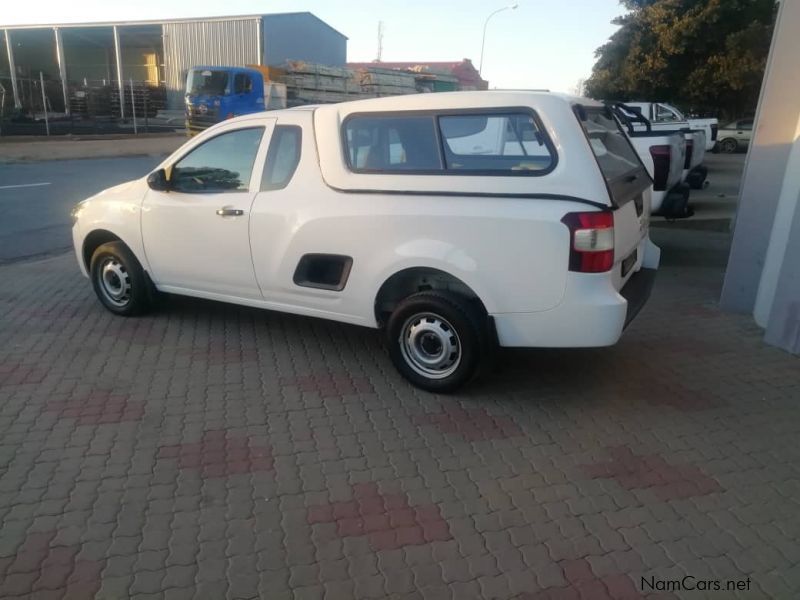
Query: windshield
{"type": "Point", "coordinates": [207, 82]}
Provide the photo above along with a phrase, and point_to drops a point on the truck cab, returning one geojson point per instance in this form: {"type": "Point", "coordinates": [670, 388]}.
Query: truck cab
{"type": "Point", "coordinates": [215, 93]}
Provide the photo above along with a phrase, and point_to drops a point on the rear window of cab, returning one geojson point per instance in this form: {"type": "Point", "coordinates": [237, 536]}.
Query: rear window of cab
{"type": "Point", "coordinates": [499, 142]}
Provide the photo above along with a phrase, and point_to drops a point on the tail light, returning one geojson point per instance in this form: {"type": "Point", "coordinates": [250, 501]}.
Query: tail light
{"type": "Point", "coordinates": [591, 241]}
{"type": "Point", "coordinates": [689, 150]}
{"type": "Point", "coordinates": [661, 157]}
{"type": "Point", "coordinates": [714, 132]}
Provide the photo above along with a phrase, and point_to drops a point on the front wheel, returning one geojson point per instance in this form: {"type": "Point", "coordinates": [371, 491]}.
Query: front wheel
{"type": "Point", "coordinates": [437, 341]}
{"type": "Point", "coordinates": [728, 146]}
{"type": "Point", "coordinates": [119, 280]}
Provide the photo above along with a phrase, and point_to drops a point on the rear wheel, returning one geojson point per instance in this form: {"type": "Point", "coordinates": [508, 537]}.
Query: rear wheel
{"type": "Point", "coordinates": [119, 280]}
{"type": "Point", "coordinates": [437, 340]}
{"type": "Point", "coordinates": [728, 146]}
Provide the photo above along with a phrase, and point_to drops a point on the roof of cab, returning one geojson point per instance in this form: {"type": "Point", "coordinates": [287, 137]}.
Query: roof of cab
{"type": "Point", "coordinates": [433, 101]}
{"type": "Point", "coordinates": [448, 100]}
{"type": "Point", "coordinates": [444, 101]}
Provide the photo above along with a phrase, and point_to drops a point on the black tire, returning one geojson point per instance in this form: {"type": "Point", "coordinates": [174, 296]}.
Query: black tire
{"type": "Point", "coordinates": [114, 268]}
{"type": "Point", "coordinates": [419, 329]}
{"type": "Point", "coordinates": [728, 146]}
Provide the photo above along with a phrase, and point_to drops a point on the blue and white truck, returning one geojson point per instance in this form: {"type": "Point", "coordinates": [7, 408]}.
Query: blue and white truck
{"type": "Point", "coordinates": [215, 93]}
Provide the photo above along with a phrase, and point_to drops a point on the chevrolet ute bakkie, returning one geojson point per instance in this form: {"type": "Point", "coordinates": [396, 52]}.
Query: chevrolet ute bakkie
{"type": "Point", "coordinates": [454, 222]}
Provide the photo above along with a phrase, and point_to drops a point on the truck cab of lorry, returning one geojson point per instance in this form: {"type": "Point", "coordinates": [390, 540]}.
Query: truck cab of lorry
{"type": "Point", "coordinates": [214, 94]}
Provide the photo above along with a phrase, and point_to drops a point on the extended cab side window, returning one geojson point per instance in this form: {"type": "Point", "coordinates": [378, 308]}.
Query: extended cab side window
{"type": "Point", "coordinates": [283, 157]}
{"type": "Point", "coordinates": [494, 143]}
{"type": "Point", "coordinates": [222, 164]}
{"type": "Point", "coordinates": [392, 144]}
{"type": "Point", "coordinates": [664, 114]}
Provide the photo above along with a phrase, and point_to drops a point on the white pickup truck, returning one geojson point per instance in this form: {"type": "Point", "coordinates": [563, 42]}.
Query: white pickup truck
{"type": "Point", "coordinates": [664, 155]}
{"type": "Point", "coordinates": [453, 221]}
{"type": "Point", "coordinates": [661, 113]}
{"type": "Point", "coordinates": [694, 172]}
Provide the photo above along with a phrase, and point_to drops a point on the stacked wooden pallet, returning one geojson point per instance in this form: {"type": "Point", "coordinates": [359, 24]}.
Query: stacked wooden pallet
{"type": "Point", "coordinates": [308, 83]}
{"type": "Point", "coordinates": [386, 82]}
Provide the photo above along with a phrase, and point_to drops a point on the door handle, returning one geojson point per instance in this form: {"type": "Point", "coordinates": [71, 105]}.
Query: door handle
{"type": "Point", "coordinates": [230, 212]}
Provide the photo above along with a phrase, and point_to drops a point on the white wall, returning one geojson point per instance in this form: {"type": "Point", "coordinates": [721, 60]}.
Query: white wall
{"type": "Point", "coordinates": [763, 275]}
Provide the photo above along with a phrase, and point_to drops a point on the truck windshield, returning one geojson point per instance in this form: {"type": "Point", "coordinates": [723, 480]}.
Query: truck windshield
{"type": "Point", "coordinates": [207, 82]}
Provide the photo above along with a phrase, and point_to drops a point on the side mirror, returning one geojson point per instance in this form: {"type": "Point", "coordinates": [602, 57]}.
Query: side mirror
{"type": "Point", "coordinates": [157, 180]}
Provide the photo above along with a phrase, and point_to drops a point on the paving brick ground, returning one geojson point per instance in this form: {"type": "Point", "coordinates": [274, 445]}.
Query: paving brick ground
{"type": "Point", "coordinates": [210, 451]}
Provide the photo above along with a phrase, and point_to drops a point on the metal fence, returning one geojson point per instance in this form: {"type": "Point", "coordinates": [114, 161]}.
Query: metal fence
{"type": "Point", "coordinates": [92, 106]}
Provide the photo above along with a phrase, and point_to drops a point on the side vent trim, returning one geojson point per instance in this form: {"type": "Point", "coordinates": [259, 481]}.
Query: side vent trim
{"type": "Point", "coordinates": [323, 271]}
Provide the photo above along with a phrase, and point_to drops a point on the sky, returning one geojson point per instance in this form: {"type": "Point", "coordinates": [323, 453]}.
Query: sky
{"type": "Point", "coordinates": [542, 44]}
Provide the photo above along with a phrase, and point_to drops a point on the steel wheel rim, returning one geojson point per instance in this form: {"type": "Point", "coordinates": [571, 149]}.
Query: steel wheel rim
{"type": "Point", "coordinates": [114, 282]}
{"type": "Point", "coordinates": [430, 345]}
{"type": "Point", "coordinates": [729, 146]}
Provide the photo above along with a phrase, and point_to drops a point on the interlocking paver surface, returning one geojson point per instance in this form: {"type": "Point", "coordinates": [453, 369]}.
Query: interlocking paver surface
{"type": "Point", "coordinates": [211, 451]}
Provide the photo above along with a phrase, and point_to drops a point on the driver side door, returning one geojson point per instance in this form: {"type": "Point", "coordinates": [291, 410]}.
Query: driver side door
{"type": "Point", "coordinates": [195, 234]}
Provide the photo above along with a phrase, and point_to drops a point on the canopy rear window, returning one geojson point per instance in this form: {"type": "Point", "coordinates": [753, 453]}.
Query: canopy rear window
{"type": "Point", "coordinates": [611, 148]}
{"type": "Point", "coordinates": [485, 142]}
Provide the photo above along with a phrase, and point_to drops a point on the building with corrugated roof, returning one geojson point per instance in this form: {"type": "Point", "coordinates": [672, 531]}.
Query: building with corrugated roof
{"type": "Point", "coordinates": [83, 66]}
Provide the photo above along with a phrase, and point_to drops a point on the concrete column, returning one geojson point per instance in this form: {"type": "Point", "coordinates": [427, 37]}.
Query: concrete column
{"type": "Point", "coordinates": [260, 41]}
{"type": "Point", "coordinates": [763, 273]}
{"type": "Point", "coordinates": [120, 80]}
{"type": "Point", "coordinates": [12, 67]}
{"type": "Point", "coordinates": [773, 137]}
{"type": "Point", "coordinates": [783, 327]}
{"type": "Point", "coordinates": [62, 67]}
{"type": "Point", "coordinates": [779, 235]}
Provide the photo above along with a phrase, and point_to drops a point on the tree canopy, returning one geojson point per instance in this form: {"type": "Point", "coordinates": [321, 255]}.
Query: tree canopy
{"type": "Point", "coordinates": [703, 55]}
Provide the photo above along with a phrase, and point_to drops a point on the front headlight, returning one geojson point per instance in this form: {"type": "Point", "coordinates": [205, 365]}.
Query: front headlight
{"type": "Point", "coordinates": [75, 213]}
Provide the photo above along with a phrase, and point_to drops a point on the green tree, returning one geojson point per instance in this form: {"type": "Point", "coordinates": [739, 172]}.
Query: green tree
{"type": "Point", "coordinates": [703, 55]}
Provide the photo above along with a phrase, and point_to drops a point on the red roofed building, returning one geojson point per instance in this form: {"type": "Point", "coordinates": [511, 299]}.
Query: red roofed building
{"type": "Point", "coordinates": [464, 72]}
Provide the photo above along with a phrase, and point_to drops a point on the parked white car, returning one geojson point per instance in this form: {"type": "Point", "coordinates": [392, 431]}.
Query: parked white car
{"type": "Point", "coordinates": [454, 221]}
{"type": "Point", "coordinates": [735, 136]}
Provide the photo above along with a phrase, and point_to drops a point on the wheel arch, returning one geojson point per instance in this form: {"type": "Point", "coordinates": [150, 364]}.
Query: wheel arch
{"type": "Point", "coordinates": [410, 280]}
{"type": "Point", "coordinates": [96, 238]}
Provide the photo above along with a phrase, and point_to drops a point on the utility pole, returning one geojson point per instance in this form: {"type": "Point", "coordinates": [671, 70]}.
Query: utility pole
{"type": "Point", "coordinates": [380, 41]}
{"type": "Point", "coordinates": [485, 23]}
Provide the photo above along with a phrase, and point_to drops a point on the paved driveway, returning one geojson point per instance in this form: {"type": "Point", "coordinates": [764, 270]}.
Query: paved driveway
{"type": "Point", "coordinates": [210, 451]}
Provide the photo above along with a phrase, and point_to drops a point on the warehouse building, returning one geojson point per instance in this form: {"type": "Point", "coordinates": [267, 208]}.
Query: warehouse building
{"type": "Point", "coordinates": [82, 67]}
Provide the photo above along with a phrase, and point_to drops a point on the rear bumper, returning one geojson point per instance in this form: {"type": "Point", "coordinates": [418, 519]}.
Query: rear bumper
{"type": "Point", "coordinates": [592, 313]}
{"type": "Point", "coordinates": [637, 291]}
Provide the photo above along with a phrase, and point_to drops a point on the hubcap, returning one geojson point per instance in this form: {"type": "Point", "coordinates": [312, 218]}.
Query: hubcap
{"type": "Point", "coordinates": [430, 345]}
{"type": "Point", "coordinates": [115, 284]}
